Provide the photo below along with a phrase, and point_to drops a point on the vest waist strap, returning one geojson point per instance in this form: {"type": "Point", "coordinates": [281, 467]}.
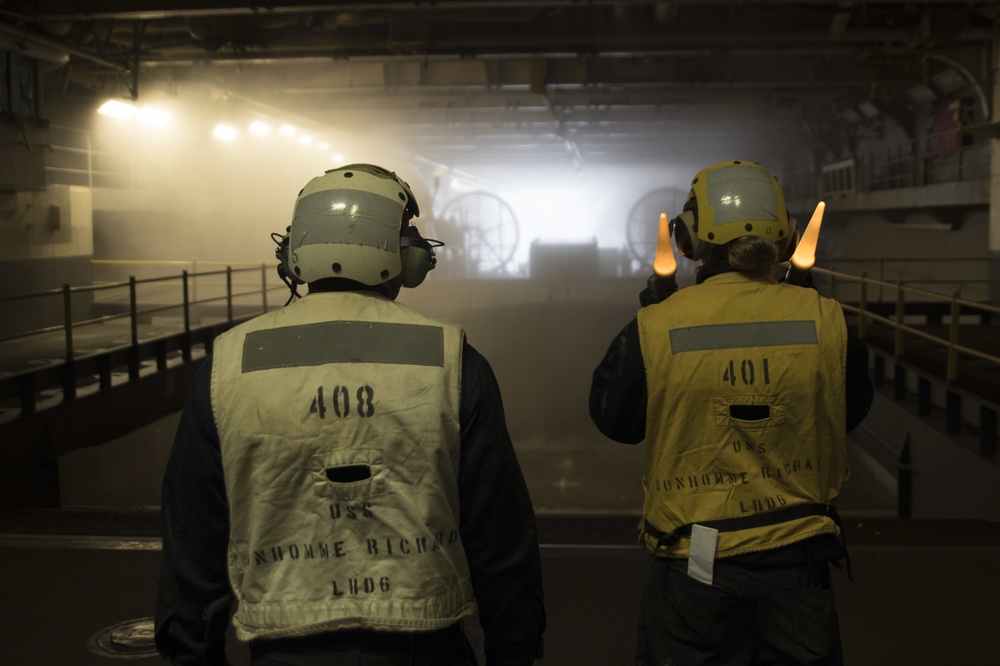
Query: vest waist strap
{"type": "Point", "coordinates": [667, 539]}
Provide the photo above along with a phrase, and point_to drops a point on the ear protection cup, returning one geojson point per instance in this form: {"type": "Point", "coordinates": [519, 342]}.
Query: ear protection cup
{"type": "Point", "coordinates": [281, 254]}
{"type": "Point", "coordinates": [786, 248]}
{"type": "Point", "coordinates": [416, 264]}
{"type": "Point", "coordinates": [416, 255]}
{"type": "Point", "coordinates": [682, 228]}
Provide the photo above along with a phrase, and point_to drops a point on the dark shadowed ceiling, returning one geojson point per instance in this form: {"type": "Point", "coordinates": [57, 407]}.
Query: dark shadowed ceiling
{"type": "Point", "coordinates": [579, 82]}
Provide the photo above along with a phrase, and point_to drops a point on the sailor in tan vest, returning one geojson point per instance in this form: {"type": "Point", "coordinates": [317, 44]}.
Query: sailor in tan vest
{"type": "Point", "coordinates": [342, 468]}
{"type": "Point", "coordinates": [743, 388]}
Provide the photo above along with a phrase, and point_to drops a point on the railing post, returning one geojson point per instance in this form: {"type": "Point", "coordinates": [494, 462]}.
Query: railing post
{"type": "Point", "coordinates": [133, 312]}
{"type": "Point", "coordinates": [880, 275]}
{"type": "Point", "coordinates": [900, 315]}
{"type": "Point", "coordinates": [899, 382]}
{"type": "Point", "coordinates": [862, 306]}
{"type": "Point", "coordinates": [924, 403]}
{"type": "Point", "coordinates": [229, 294]}
{"type": "Point", "coordinates": [69, 371]}
{"type": "Point", "coordinates": [956, 311]}
{"type": "Point", "coordinates": [987, 431]}
{"type": "Point", "coordinates": [186, 340]}
{"type": "Point", "coordinates": [905, 481]}
{"type": "Point", "coordinates": [187, 302]}
{"type": "Point", "coordinates": [953, 412]}
{"type": "Point", "coordinates": [68, 321]}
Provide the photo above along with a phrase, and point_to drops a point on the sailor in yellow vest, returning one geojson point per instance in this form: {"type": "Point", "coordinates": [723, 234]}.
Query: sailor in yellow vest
{"type": "Point", "coordinates": [743, 389]}
{"type": "Point", "coordinates": [342, 467]}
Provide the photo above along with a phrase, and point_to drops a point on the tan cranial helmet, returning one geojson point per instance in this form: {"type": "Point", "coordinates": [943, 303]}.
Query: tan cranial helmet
{"type": "Point", "coordinates": [730, 200]}
{"type": "Point", "coordinates": [347, 224]}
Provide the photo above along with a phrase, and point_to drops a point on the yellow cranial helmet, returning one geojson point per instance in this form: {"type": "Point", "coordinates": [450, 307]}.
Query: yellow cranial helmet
{"type": "Point", "coordinates": [730, 200]}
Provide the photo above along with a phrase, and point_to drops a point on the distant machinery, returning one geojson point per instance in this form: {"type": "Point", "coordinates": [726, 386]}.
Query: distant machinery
{"type": "Point", "coordinates": [480, 233]}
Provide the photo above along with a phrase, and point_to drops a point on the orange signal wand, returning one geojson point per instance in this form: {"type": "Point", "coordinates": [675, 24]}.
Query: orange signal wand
{"type": "Point", "coordinates": [805, 252]}
{"type": "Point", "coordinates": [665, 264]}
{"type": "Point", "coordinates": [662, 283]}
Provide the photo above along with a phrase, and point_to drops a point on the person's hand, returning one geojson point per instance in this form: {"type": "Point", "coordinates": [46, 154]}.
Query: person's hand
{"type": "Point", "coordinates": [657, 289]}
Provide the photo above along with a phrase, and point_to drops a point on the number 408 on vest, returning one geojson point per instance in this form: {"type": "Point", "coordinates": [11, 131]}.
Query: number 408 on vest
{"type": "Point", "coordinates": [344, 402]}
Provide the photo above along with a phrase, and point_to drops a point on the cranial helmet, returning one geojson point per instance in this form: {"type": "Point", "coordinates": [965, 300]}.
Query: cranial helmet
{"type": "Point", "coordinates": [353, 223]}
{"type": "Point", "coordinates": [731, 200]}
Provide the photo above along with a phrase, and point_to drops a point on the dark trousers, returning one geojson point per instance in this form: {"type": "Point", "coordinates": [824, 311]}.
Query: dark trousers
{"type": "Point", "coordinates": [447, 647]}
{"type": "Point", "coordinates": [774, 615]}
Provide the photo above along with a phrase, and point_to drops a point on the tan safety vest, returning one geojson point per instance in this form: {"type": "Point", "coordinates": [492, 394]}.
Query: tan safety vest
{"type": "Point", "coordinates": [745, 412]}
{"type": "Point", "coordinates": [339, 422]}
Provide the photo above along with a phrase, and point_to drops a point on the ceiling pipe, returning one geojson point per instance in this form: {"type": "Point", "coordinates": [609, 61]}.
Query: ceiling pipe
{"type": "Point", "coordinates": [184, 10]}
{"type": "Point", "coordinates": [45, 49]}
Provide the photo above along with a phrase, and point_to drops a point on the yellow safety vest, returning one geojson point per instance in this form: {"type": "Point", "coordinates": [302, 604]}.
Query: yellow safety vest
{"type": "Point", "coordinates": [745, 412]}
{"type": "Point", "coordinates": [338, 417]}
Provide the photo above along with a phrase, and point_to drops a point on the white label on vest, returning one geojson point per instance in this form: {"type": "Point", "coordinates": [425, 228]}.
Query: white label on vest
{"type": "Point", "coordinates": [701, 560]}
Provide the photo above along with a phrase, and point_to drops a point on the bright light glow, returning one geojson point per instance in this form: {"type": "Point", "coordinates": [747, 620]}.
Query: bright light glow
{"type": "Point", "coordinates": [805, 252]}
{"type": "Point", "coordinates": [224, 132]}
{"type": "Point", "coordinates": [116, 109]}
{"type": "Point", "coordinates": [258, 128]}
{"type": "Point", "coordinates": [339, 205]}
{"type": "Point", "coordinates": [665, 264]}
{"type": "Point", "coordinates": [458, 185]}
{"type": "Point", "coordinates": [305, 140]}
{"type": "Point", "coordinates": [337, 158]}
{"type": "Point", "coordinates": [153, 117]}
{"type": "Point", "coordinates": [729, 199]}
{"type": "Point", "coordinates": [287, 130]}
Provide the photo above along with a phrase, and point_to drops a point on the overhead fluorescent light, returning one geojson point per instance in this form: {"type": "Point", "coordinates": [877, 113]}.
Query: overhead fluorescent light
{"type": "Point", "coordinates": [224, 132]}
{"type": "Point", "coordinates": [259, 128]}
{"type": "Point", "coordinates": [153, 117]}
{"type": "Point", "coordinates": [115, 109]}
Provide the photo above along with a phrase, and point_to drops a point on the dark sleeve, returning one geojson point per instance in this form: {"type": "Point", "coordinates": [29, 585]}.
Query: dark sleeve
{"type": "Point", "coordinates": [195, 523]}
{"type": "Point", "coordinates": [618, 389]}
{"type": "Point", "coordinates": [498, 523]}
{"type": "Point", "coordinates": [858, 382]}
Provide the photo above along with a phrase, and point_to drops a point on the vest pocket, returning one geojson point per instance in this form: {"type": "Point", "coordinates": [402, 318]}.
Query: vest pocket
{"type": "Point", "coordinates": [348, 473]}
{"type": "Point", "coordinates": [748, 411]}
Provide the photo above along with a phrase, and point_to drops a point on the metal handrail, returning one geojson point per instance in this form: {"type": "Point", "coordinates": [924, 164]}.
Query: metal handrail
{"type": "Point", "coordinates": [934, 158]}
{"type": "Point", "coordinates": [26, 383]}
{"type": "Point", "coordinates": [864, 309]}
{"type": "Point", "coordinates": [134, 312]}
{"type": "Point", "coordinates": [956, 301]}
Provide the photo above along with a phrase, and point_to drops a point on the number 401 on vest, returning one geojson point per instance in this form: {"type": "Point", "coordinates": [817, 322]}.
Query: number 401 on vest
{"type": "Point", "coordinates": [747, 372]}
